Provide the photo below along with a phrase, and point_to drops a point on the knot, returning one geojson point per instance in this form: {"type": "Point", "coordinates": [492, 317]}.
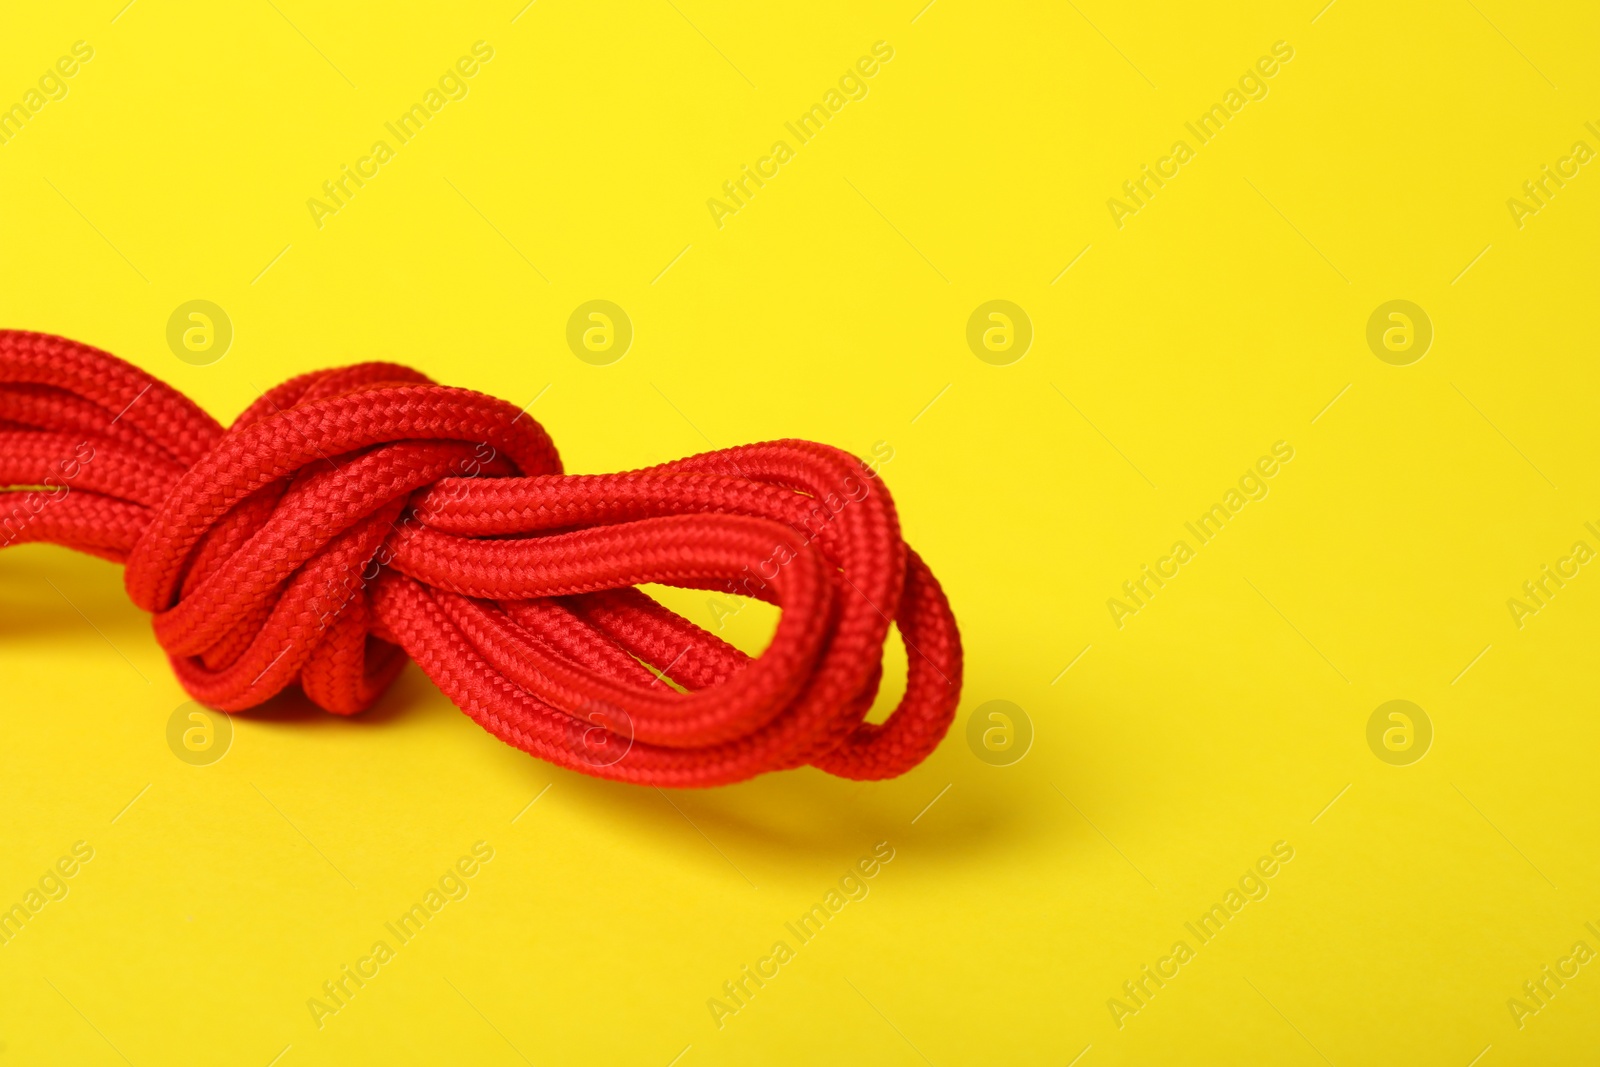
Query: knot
{"type": "Point", "coordinates": [352, 518]}
{"type": "Point", "coordinates": [259, 562]}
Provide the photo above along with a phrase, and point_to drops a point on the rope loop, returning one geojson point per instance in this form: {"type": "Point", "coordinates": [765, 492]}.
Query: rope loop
{"type": "Point", "coordinates": [352, 518]}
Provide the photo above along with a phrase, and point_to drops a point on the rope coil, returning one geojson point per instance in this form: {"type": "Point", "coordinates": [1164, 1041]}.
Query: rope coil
{"type": "Point", "coordinates": [354, 517]}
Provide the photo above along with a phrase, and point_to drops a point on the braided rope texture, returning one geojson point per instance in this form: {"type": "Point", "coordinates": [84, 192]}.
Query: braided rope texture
{"type": "Point", "coordinates": [353, 517]}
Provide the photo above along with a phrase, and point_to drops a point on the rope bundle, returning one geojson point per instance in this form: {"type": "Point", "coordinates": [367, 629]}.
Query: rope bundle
{"type": "Point", "coordinates": [353, 517]}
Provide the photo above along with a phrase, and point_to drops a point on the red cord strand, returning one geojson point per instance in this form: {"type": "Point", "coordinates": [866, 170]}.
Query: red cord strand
{"type": "Point", "coordinates": [353, 517]}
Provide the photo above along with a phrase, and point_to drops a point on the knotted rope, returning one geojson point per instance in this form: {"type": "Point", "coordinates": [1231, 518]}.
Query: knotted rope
{"type": "Point", "coordinates": [353, 517]}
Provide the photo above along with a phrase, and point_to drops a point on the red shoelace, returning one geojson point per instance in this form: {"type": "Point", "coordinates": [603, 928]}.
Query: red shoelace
{"type": "Point", "coordinates": [356, 516]}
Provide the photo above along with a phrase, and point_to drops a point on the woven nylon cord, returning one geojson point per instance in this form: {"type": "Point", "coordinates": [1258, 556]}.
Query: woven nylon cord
{"type": "Point", "coordinates": [353, 517]}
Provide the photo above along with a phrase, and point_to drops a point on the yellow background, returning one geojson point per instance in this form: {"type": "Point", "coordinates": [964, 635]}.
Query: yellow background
{"type": "Point", "coordinates": [1226, 715]}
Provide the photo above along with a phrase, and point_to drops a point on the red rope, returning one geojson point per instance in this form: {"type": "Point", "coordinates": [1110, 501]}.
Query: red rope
{"type": "Point", "coordinates": [353, 517]}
